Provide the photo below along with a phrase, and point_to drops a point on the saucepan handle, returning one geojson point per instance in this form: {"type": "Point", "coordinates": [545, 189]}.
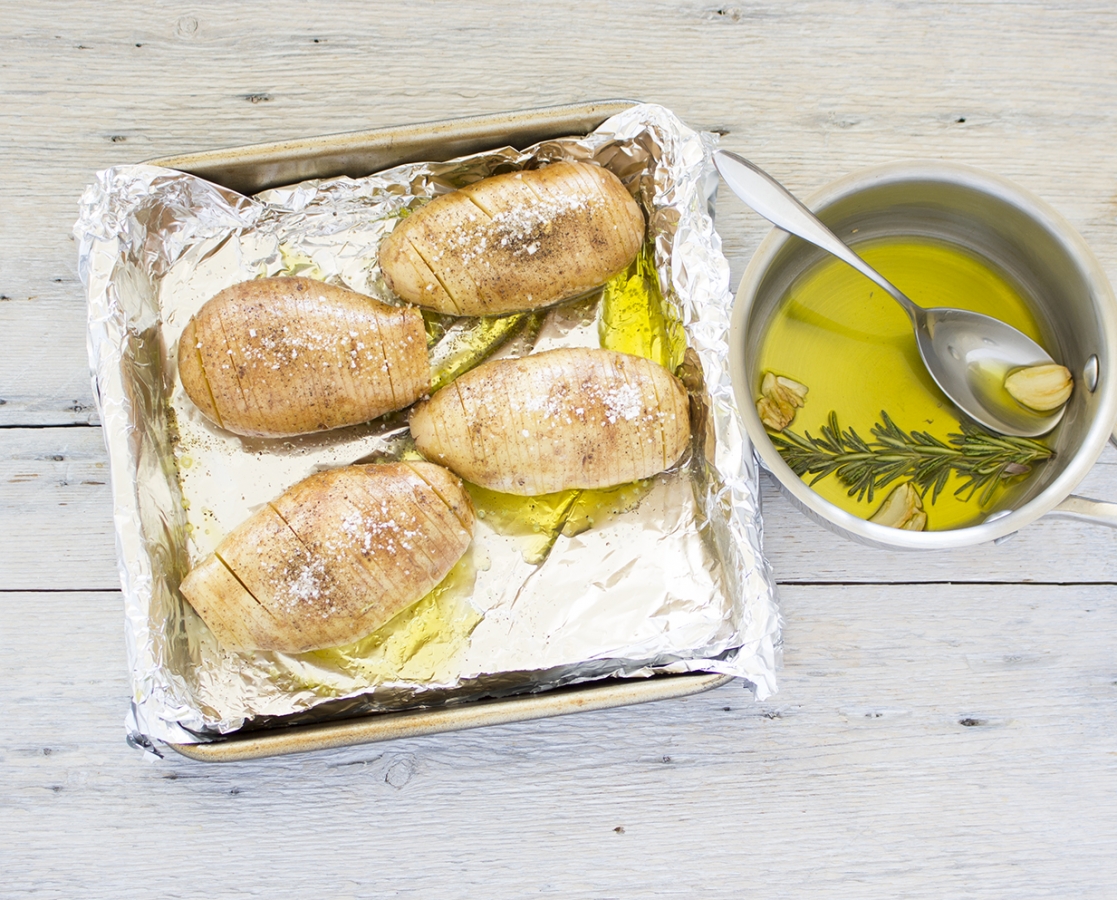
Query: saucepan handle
{"type": "Point", "coordinates": [1100, 512]}
{"type": "Point", "coordinates": [1084, 509]}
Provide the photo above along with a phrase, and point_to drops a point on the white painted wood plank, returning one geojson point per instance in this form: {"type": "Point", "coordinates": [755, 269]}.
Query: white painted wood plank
{"type": "Point", "coordinates": [941, 742]}
{"type": "Point", "coordinates": [56, 528]}
{"type": "Point", "coordinates": [44, 367]}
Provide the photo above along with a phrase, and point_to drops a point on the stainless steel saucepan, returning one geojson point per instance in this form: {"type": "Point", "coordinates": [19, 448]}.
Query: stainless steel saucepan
{"type": "Point", "coordinates": [1019, 235]}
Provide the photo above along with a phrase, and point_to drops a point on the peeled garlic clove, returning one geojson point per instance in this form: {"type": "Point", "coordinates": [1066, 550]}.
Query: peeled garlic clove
{"type": "Point", "coordinates": [774, 417]}
{"type": "Point", "coordinates": [917, 522]}
{"type": "Point", "coordinates": [902, 509]}
{"type": "Point", "coordinates": [1042, 388]}
{"type": "Point", "coordinates": [791, 392]}
{"type": "Point", "coordinates": [779, 399]}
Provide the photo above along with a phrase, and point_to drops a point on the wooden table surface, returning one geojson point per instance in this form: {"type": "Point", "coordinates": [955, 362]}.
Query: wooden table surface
{"type": "Point", "coordinates": [946, 723]}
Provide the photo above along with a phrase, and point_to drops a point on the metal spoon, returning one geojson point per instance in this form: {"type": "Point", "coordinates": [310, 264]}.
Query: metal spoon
{"type": "Point", "coordinates": [967, 354]}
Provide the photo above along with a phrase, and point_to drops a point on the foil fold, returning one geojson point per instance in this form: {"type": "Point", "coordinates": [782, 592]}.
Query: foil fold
{"type": "Point", "coordinates": [676, 583]}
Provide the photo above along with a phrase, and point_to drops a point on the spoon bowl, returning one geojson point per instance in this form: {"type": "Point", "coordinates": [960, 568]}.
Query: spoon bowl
{"type": "Point", "coordinates": [967, 354]}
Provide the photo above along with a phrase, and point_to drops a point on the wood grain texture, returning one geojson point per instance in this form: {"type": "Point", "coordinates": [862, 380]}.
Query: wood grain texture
{"type": "Point", "coordinates": [935, 742]}
{"type": "Point", "coordinates": [56, 528]}
{"type": "Point", "coordinates": [33, 389]}
{"type": "Point", "coordinates": [943, 728]}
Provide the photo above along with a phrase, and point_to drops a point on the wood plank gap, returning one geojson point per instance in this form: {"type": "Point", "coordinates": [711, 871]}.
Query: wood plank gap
{"type": "Point", "coordinates": [84, 590]}
{"type": "Point", "coordinates": [12, 427]}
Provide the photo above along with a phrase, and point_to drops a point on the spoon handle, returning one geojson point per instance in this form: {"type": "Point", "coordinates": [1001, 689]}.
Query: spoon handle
{"type": "Point", "coordinates": [780, 207]}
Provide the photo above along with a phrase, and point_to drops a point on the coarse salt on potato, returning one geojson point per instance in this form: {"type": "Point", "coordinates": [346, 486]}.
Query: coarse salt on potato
{"type": "Point", "coordinates": [334, 558]}
{"type": "Point", "coordinates": [515, 242]}
{"type": "Point", "coordinates": [285, 356]}
{"type": "Point", "coordinates": [569, 418]}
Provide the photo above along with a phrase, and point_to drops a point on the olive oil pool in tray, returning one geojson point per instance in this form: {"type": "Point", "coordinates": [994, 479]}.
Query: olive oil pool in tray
{"type": "Point", "coordinates": [851, 345]}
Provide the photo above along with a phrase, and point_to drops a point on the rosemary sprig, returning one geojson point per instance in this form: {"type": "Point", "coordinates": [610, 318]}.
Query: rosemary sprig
{"type": "Point", "coordinates": [981, 457]}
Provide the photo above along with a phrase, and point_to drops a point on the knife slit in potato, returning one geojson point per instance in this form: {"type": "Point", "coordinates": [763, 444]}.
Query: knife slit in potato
{"type": "Point", "coordinates": [348, 385]}
{"type": "Point", "coordinates": [434, 274]}
{"type": "Point", "coordinates": [662, 426]}
{"type": "Point", "coordinates": [528, 188]}
{"type": "Point", "coordinates": [212, 408]}
{"type": "Point", "coordinates": [474, 435]}
{"type": "Point", "coordinates": [279, 513]}
{"type": "Point", "coordinates": [477, 204]}
{"type": "Point", "coordinates": [311, 365]}
{"type": "Point", "coordinates": [651, 458]}
{"type": "Point", "coordinates": [464, 520]}
{"type": "Point", "coordinates": [385, 365]}
{"type": "Point", "coordinates": [232, 370]}
{"type": "Point", "coordinates": [386, 581]}
{"type": "Point", "coordinates": [247, 592]}
{"type": "Point", "coordinates": [235, 624]}
{"type": "Point", "coordinates": [432, 523]}
{"type": "Point", "coordinates": [337, 357]}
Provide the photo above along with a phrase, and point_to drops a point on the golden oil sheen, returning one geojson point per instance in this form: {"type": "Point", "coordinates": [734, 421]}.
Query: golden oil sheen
{"type": "Point", "coordinates": [417, 645]}
{"type": "Point", "coordinates": [536, 522]}
{"type": "Point", "coordinates": [852, 346]}
{"type": "Point", "coordinates": [636, 318]}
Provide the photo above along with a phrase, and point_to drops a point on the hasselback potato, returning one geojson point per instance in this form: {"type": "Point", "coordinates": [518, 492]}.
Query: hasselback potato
{"type": "Point", "coordinates": [514, 242]}
{"type": "Point", "coordinates": [286, 356]}
{"type": "Point", "coordinates": [571, 418]}
{"type": "Point", "coordinates": [334, 558]}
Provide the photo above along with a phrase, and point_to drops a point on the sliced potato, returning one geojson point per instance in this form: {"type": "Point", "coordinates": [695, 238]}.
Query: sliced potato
{"type": "Point", "coordinates": [334, 558]}
{"type": "Point", "coordinates": [515, 242]}
{"type": "Point", "coordinates": [571, 418]}
{"type": "Point", "coordinates": [286, 356]}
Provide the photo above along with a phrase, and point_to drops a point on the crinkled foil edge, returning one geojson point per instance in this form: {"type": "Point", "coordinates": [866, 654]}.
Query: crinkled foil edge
{"type": "Point", "coordinates": [111, 245]}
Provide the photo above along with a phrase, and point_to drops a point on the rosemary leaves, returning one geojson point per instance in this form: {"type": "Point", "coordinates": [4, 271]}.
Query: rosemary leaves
{"type": "Point", "coordinates": [982, 458]}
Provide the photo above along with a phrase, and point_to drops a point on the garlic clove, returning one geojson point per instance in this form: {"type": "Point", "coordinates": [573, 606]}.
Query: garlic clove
{"type": "Point", "coordinates": [1042, 388]}
{"type": "Point", "coordinates": [772, 415]}
{"type": "Point", "coordinates": [917, 522]}
{"type": "Point", "coordinates": [791, 392]}
{"type": "Point", "coordinates": [902, 508]}
{"type": "Point", "coordinates": [780, 397]}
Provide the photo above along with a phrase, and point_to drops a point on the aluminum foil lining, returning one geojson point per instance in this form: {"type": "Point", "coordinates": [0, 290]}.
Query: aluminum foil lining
{"type": "Point", "coordinates": [672, 581]}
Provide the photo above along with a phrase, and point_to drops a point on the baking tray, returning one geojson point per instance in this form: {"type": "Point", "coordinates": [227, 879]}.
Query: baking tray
{"type": "Point", "coordinates": [257, 167]}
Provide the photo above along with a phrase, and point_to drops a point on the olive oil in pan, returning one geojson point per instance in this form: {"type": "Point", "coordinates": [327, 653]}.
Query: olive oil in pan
{"type": "Point", "coordinates": [852, 346]}
{"type": "Point", "coordinates": [636, 318]}
{"type": "Point", "coordinates": [537, 522]}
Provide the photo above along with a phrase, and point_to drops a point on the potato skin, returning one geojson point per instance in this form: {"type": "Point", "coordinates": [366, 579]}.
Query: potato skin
{"type": "Point", "coordinates": [334, 558]}
{"type": "Point", "coordinates": [571, 418]}
{"type": "Point", "coordinates": [515, 242]}
{"type": "Point", "coordinates": [285, 356]}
